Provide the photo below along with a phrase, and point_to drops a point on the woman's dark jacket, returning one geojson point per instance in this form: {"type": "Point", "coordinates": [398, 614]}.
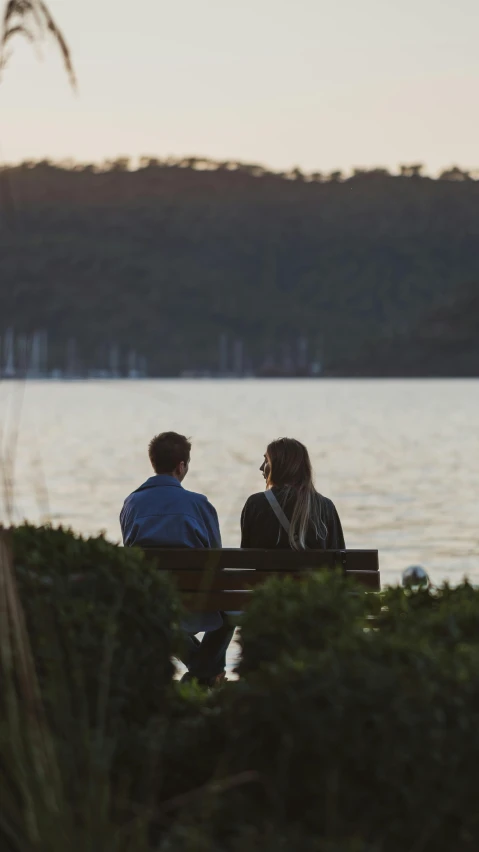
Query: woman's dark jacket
{"type": "Point", "coordinates": [261, 528]}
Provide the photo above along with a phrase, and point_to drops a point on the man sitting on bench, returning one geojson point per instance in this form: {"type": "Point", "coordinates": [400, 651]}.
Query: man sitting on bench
{"type": "Point", "coordinates": [161, 513]}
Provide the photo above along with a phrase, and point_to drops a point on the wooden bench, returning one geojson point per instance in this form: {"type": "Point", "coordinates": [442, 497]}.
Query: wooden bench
{"type": "Point", "coordinates": [224, 579]}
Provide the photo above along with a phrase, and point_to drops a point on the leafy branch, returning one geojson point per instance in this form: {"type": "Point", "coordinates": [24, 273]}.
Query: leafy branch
{"type": "Point", "coordinates": [33, 20]}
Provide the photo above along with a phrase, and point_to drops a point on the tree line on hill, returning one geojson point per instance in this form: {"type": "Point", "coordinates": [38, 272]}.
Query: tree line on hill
{"type": "Point", "coordinates": [379, 273]}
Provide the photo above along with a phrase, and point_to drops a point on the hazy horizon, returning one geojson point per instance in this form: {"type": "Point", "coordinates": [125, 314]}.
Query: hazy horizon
{"type": "Point", "coordinates": [203, 159]}
{"type": "Point", "coordinates": [283, 85]}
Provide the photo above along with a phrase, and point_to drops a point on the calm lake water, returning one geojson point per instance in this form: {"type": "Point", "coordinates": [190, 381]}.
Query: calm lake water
{"type": "Point", "coordinates": [400, 459]}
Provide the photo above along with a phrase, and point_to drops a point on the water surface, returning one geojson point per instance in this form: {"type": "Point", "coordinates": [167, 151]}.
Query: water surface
{"type": "Point", "coordinates": [400, 459]}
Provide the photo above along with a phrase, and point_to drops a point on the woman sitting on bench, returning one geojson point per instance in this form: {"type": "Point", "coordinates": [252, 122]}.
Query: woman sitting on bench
{"type": "Point", "coordinates": [290, 513]}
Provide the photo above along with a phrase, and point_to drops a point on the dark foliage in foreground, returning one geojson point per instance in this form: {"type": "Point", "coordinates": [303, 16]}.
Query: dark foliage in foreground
{"type": "Point", "coordinates": [360, 739]}
{"type": "Point", "coordinates": [336, 738]}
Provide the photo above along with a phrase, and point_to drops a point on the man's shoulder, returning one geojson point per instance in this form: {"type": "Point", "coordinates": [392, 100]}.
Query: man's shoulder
{"type": "Point", "coordinates": [144, 488]}
{"type": "Point", "coordinates": [130, 499]}
{"type": "Point", "coordinates": [196, 498]}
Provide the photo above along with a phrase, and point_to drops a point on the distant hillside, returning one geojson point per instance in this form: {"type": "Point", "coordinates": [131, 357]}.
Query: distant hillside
{"type": "Point", "coordinates": [234, 267]}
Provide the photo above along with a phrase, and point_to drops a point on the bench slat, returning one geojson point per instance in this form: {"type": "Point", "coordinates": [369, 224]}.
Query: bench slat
{"type": "Point", "coordinates": [173, 559]}
{"type": "Point", "coordinates": [221, 579]}
{"type": "Point", "coordinates": [371, 579]}
{"type": "Point", "coordinates": [239, 580]}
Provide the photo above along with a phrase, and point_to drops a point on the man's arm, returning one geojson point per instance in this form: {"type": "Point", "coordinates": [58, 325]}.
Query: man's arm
{"type": "Point", "coordinates": [123, 525]}
{"type": "Point", "coordinates": [210, 517]}
{"type": "Point", "coordinates": [129, 530]}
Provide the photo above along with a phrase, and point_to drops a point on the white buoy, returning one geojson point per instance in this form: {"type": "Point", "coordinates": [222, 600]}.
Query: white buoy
{"type": "Point", "coordinates": [415, 577]}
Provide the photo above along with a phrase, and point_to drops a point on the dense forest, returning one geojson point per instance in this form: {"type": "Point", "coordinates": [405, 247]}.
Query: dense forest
{"type": "Point", "coordinates": [189, 265]}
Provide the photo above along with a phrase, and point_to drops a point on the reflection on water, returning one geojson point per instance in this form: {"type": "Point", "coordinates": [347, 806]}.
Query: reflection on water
{"type": "Point", "coordinates": [398, 458]}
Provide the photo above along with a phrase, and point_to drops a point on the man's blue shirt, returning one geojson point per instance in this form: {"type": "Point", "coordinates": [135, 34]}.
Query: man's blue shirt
{"type": "Point", "coordinates": [161, 513]}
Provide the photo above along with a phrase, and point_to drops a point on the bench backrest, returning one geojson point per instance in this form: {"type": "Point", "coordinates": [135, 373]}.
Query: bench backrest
{"type": "Point", "coordinates": [224, 579]}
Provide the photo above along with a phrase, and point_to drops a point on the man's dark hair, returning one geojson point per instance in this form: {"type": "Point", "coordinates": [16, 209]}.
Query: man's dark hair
{"type": "Point", "coordinates": [167, 450]}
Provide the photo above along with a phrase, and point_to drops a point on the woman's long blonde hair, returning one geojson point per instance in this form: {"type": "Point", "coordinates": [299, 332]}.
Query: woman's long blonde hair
{"type": "Point", "coordinates": [290, 470]}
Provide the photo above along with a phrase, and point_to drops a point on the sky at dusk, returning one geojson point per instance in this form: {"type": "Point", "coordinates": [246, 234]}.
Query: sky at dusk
{"type": "Point", "coordinates": [315, 84]}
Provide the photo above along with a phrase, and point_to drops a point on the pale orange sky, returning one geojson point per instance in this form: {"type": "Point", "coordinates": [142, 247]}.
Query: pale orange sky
{"type": "Point", "coordinates": [318, 84]}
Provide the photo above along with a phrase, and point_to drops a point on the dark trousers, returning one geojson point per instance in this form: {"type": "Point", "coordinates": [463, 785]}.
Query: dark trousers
{"type": "Point", "coordinates": [207, 659]}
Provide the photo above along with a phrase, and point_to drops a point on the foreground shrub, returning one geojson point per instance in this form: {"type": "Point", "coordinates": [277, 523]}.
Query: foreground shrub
{"type": "Point", "coordinates": [100, 613]}
{"type": "Point", "coordinates": [353, 738]}
{"type": "Point", "coordinates": [337, 738]}
{"type": "Point", "coordinates": [87, 634]}
{"type": "Point", "coordinates": [287, 618]}
{"type": "Point", "coordinates": [380, 743]}
{"type": "Point", "coordinates": [446, 617]}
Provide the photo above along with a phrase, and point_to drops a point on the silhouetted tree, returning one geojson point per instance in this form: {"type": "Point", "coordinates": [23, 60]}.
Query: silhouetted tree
{"type": "Point", "coordinates": [297, 174]}
{"type": "Point", "coordinates": [119, 164]}
{"type": "Point", "coordinates": [413, 171]}
{"type": "Point", "coordinates": [148, 162]}
{"type": "Point", "coordinates": [251, 169]}
{"type": "Point", "coordinates": [455, 173]}
{"type": "Point", "coordinates": [371, 173]}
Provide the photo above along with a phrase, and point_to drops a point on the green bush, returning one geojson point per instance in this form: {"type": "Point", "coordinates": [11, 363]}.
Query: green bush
{"type": "Point", "coordinates": [336, 738]}
{"type": "Point", "coordinates": [88, 631]}
{"type": "Point", "coordinates": [101, 614]}
{"type": "Point", "coordinates": [445, 617]}
{"type": "Point", "coordinates": [380, 744]}
{"type": "Point", "coordinates": [357, 739]}
{"type": "Point", "coordinates": [287, 618]}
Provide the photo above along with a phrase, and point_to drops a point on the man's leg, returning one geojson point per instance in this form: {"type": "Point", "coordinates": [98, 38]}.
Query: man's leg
{"type": "Point", "coordinates": [207, 659]}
